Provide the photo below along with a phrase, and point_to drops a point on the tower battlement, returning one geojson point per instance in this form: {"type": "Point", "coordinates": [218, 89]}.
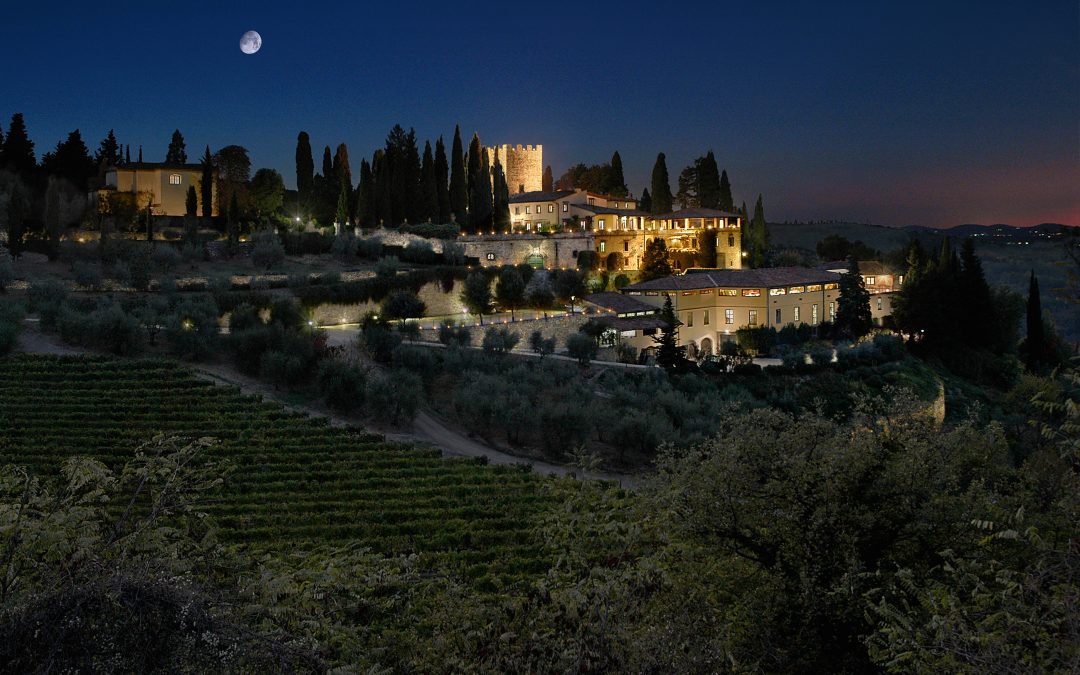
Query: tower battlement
{"type": "Point", "coordinates": [523, 165]}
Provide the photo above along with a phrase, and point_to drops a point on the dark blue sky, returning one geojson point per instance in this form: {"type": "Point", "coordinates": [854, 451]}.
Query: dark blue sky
{"type": "Point", "coordinates": [933, 113]}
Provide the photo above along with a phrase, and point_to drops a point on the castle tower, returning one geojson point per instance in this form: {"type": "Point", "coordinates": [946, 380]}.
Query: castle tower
{"type": "Point", "coordinates": [523, 166]}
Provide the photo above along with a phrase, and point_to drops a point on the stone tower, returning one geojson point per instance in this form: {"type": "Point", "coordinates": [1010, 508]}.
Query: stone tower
{"type": "Point", "coordinates": [523, 166]}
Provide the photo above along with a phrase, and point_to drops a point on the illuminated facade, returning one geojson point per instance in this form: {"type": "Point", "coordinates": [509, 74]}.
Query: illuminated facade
{"type": "Point", "coordinates": [164, 185]}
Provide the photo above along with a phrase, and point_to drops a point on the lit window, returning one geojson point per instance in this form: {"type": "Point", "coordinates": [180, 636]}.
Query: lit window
{"type": "Point", "coordinates": [751, 292]}
{"type": "Point", "coordinates": [831, 287]}
{"type": "Point", "coordinates": [777, 291]}
{"type": "Point", "coordinates": [901, 279]}
{"type": "Point", "coordinates": [797, 315]}
{"type": "Point", "coordinates": [753, 317]}
{"type": "Point", "coordinates": [870, 280]}
{"type": "Point", "coordinates": [727, 291]}
{"type": "Point", "coordinates": [731, 240]}
{"type": "Point", "coordinates": [813, 315]}
{"type": "Point", "coordinates": [600, 223]}
{"type": "Point", "coordinates": [796, 289]}
{"type": "Point", "coordinates": [603, 246]}
{"type": "Point", "coordinates": [879, 304]}
{"type": "Point", "coordinates": [689, 319]}
{"type": "Point", "coordinates": [551, 208]}
{"type": "Point", "coordinates": [832, 311]}
{"type": "Point", "coordinates": [813, 287]}
{"type": "Point", "coordinates": [565, 208]}
{"type": "Point", "coordinates": [527, 210]}
{"type": "Point", "coordinates": [729, 316]}
{"type": "Point", "coordinates": [490, 256]}
{"type": "Point", "coordinates": [174, 179]}
{"type": "Point", "coordinates": [705, 319]}
{"type": "Point", "coordinates": [778, 320]}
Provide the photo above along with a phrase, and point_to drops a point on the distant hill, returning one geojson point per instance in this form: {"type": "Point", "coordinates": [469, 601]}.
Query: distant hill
{"type": "Point", "coordinates": [886, 239]}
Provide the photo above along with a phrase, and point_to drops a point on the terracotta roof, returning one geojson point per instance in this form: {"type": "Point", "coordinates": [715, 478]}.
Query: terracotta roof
{"type": "Point", "coordinates": [155, 165]}
{"type": "Point", "coordinates": [871, 267]}
{"type": "Point", "coordinates": [767, 277]}
{"type": "Point", "coordinates": [618, 303]}
{"type": "Point", "coordinates": [540, 196]}
{"type": "Point", "coordinates": [607, 210]}
{"type": "Point", "coordinates": [636, 322]}
{"type": "Point", "coordinates": [696, 213]}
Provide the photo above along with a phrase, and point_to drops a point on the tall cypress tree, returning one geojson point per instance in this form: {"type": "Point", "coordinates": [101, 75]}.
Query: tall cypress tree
{"type": "Point", "coordinates": [343, 174]}
{"type": "Point", "coordinates": [328, 165]}
{"type": "Point", "coordinates": [414, 200]}
{"type": "Point", "coordinates": [617, 188]}
{"type": "Point", "coordinates": [501, 199]}
{"type": "Point", "coordinates": [429, 192]}
{"type": "Point", "coordinates": [177, 152]}
{"type": "Point", "coordinates": [459, 191]}
{"type": "Point", "coordinates": [708, 189]}
{"type": "Point", "coordinates": [1035, 345]}
{"type": "Point", "coordinates": [383, 206]}
{"type": "Point", "coordinates": [206, 184]}
{"type": "Point", "coordinates": [305, 170]}
{"type": "Point", "coordinates": [365, 196]}
{"type": "Point", "coordinates": [759, 236]}
{"type": "Point", "coordinates": [479, 188]}
{"type": "Point", "coordinates": [442, 189]}
{"type": "Point", "coordinates": [547, 182]}
{"type": "Point", "coordinates": [977, 309]}
{"type": "Point", "coordinates": [18, 148]}
{"type": "Point", "coordinates": [661, 186]}
{"type": "Point", "coordinates": [127, 154]}
{"type": "Point", "coordinates": [645, 203]}
{"type": "Point", "coordinates": [726, 202]}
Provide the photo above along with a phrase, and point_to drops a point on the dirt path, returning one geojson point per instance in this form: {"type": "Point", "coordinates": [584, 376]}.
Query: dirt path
{"type": "Point", "coordinates": [426, 429]}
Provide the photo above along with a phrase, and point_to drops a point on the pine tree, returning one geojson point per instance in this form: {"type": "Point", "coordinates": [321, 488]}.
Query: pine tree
{"type": "Point", "coordinates": [480, 204]}
{"type": "Point", "coordinates": [977, 309]}
{"type": "Point", "coordinates": [501, 199]}
{"type": "Point", "coordinates": [669, 355]}
{"type": "Point", "coordinates": [411, 178]}
{"type": "Point", "coordinates": [1035, 345]}
{"type": "Point", "coordinates": [305, 171]}
{"type": "Point", "coordinates": [108, 152]}
{"type": "Point", "coordinates": [18, 209]}
{"type": "Point", "coordinates": [726, 202]}
{"type": "Point", "coordinates": [19, 149]}
{"type": "Point", "coordinates": [689, 183]}
{"type": "Point", "coordinates": [206, 184]}
{"type": "Point", "coordinates": [442, 175]}
{"type": "Point", "coordinates": [645, 203]}
{"type": "Point", "coordinates": [459, 191]}
{"type": "Point", "coordinates": [617, 187]}
{"type": "Point", "coordinates": [71, 161]}
{"type": "Point", "coordinates": [708, 188]}
{"type": "Point", "coordinates": [547, 183]}
{"type": "Point", "coordinates": [661, 186]}
{"type": "Point", "coordinates": [853, 318]}
{"type": "Point", "coordinates": [177, 152]}
{"type": "Point", "coordinates": [233, 225]}
{"type": "Point", "coordinates": [429, 196]}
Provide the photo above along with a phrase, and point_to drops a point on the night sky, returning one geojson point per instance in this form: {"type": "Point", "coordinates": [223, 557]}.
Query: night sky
{"type": "Point", "coordinates": [896, 113]}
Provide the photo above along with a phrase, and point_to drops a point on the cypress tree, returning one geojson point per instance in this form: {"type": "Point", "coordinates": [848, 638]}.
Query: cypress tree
{"type": "Point", "coordinates": [233, 225]}
{"type": "Point", "coordinates": [708, 189]}
{"type": "Point", "coordinates": [459, 194]}
{"type": "Point", "coordinates": [759, 236]}
{"type": "Point", "coordinates": [501, 199]}
{"type": "Point", "coordinates": [383, 207]}
{"type": "Point", "coordinates": [645, 203]}
{"type": "Point", "coordinates": [206, 184]}
{"type": "Point", "coordinates": [343, 173]}
{"type": "Point", "coordinates": [341, 213]}
{"type": "Point", "coordinates": [365, 196]}
{"type": "Point", "coordinates": [442, 189]}
{"type": "Point", "coordinates": [669, 355]}
{"type": "Point", "coordinates": [1036, 334]}
{"type": "Point", "coordinates": [726, 202]}
{"type": "Point", "coordinates": [191, 202]}
{"type": "Point", "coordinates": [127, 154]}
{"type": "Point", "coordinates": [18, 148]}
{"type": "Point", "coordinates": [177, 152]}
{"type": "Point", "coordinates": [661, 186]}
{"type": "Point", "coordinates": [547, 183]}
{"type": "Point", "coordinates": [429, 193]}
{"type": "Point", "coordinates": [305, 170]}
{"type": "Point", "coordinates": [328, 165]}
{"type": "Point", "coordinates": [617, 187]}
{"type": "Point", "coordinates": [412, 171]}
{"type": "Point", "coordinates": [977, 307]}
{"type": "Point", "coordinates": [140, 155]}
{"type": "Point", "coordinates": [2, 146]}
{"type": "Point", "coordinates": [17, 211]}
{"type": "Point", "coordinates": [654, 264]}
{"type": "Point", "coordinates": [479, 187]}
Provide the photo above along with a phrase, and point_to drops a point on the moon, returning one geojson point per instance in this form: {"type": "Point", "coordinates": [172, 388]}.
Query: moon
{"type": "Point", "coordinates": [250, 42]}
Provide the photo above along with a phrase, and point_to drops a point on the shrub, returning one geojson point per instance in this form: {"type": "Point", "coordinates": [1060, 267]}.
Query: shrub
{"type": "Point", "coordinates": [387, 268]}
{"type": "Point", "coordinates": [624, 353]}
{"type": "Point", "coordinates": [115, 330]}
{"type": "Point", "coordinates": [165, 257]}
{"type": "Point", "coordinates": [46, 299]}
{"type": "Point", "coordinates": [419, 252]}
{"type": "Point", "coordinates": [821, 356]}
{"type": "Point", "coordinates": [499, 340]}
{"type": "Point", "coordinates": [370, 247]}
{"type": "Point", "coordinates": [379, 341]}
{"type": "Point", "coordinates": [453, 254]}
{"type": "Point", "coordinates": [758, 340]}
{"type": "Point", "coordinates": [344, 247]}
{"type": "Point", "coordinates": [192, 252]}
{"type": "Point", "coordinates": [192, 330]}
{"type": "Point", "coordinates": [416, 359]}
{"type": "Point", "coordinates": [281, 368]}
{"type": "Point", "coordinates": [891, 346]}
{"type": "Point", "coordinates": [540, 297]}
{"type": "Point", "coordinates": [621, 280]}
{"type": "Point", "coordinates": [432, 230]}
{"type": "Point", "coordinates": [746, 369]}
{"type": "Point", "coordinates": [449, 334]}
{"type": "Point", "coordinates": [267, 251]}
{"type": "Point", "coordinates": [87, 275]}
{"type": "Point", "coordinates": [7, 269]}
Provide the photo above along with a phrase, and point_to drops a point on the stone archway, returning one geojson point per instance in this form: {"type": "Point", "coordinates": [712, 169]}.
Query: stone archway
{"type": "Point", "coordinates": [692, 351]}
{"type": "Point", "coordinates": [536, 260]}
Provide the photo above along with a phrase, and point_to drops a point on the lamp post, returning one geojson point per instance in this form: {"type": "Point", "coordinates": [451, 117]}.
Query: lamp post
{"type": "Point", "coordinates": [572, 299]}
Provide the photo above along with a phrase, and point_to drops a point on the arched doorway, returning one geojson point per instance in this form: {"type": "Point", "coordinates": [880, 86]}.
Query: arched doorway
{"type": "Point", "coordinates": [536, 260]}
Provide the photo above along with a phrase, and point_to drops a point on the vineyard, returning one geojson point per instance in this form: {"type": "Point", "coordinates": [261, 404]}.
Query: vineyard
{"type": "Point", "coordinates": [296, 482]}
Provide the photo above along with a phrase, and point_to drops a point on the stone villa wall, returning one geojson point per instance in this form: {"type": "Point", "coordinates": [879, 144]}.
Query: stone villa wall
{"type": "Point", "coordinates": [561, 327]}
{"type": "Point", "coordinates": [557, 250]}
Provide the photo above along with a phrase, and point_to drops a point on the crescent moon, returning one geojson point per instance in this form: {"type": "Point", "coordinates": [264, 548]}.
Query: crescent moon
{"type": "Point", "coordinates": [250, 42]}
